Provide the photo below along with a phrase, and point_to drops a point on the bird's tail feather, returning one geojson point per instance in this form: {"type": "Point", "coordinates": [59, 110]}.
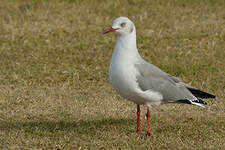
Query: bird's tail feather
{"type": "Point", "coordinates": [198, 102]}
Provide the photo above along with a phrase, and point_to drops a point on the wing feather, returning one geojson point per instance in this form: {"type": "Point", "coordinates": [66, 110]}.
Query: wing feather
{"type": "Point", "coordinates": [155, 79]}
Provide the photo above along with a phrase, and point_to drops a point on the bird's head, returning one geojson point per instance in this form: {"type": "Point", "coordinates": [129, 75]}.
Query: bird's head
{"type": "Point", "coordinates": [122, 26]}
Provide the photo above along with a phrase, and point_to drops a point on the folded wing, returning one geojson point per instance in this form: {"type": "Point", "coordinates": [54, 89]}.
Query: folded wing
{"type": "Point", "coordinates": [172, 88]}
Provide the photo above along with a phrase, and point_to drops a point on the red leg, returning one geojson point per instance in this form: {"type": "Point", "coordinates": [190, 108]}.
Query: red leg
{"type": "Point", "coordinates": [148, 118]}
{"type": "Point", "coordinates": [138, 117]}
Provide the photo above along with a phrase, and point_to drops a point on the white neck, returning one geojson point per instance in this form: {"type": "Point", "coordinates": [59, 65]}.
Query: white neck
{"type": "Point", "coordinates": [126, 48]}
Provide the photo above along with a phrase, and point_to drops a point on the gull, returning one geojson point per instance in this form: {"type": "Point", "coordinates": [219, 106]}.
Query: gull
{"type": "Point", "coordinates": [141, 82]}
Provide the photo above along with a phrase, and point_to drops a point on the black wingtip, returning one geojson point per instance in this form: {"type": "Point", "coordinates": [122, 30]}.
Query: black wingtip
{"type": "Point", "coordinates": [201, 94]}
{"type": "Point", "coordinates": [200, 102]}
{"type": "Point", "coordinates": [191, 102]}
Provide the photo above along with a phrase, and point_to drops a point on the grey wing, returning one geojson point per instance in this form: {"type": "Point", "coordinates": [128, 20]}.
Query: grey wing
{"type": "Point", "coordinates": [169, 90]}
{"type": "Point", "coordinates": [196, 92]}
{"type": "Point", "coordinates": [153, 78]}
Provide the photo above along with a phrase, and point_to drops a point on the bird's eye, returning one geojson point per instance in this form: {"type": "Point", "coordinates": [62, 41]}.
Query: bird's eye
{"type": "Point", "coordinates": [123, 24]}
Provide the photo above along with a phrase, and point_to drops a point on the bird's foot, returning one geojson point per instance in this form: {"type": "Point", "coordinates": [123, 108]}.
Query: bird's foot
{"type": "Point", "coordinates": [147, 134]}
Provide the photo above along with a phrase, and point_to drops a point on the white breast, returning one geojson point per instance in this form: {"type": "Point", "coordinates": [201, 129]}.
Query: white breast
{"type": "Point", "coordinates": [122, 81]}
{"type": "Point", "coordinates": [123, 73]}
{"type": "Point", "coordinates": [125, 83]}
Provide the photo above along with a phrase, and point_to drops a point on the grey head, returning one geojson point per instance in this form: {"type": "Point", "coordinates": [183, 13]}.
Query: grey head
{"type": "Point", "coordinates": [122, 26]}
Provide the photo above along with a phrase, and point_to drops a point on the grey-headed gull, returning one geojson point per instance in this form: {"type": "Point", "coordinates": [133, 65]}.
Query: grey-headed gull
{"type": "Point", "coordinates": [141, 82]}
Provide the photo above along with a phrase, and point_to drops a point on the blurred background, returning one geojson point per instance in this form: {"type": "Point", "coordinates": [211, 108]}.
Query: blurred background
{"type": "Point", "coordinates": [54, 60]}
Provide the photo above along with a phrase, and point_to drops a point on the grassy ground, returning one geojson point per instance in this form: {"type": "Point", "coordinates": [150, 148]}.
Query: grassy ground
{"type": "Point", "coordinates": [54, 88]}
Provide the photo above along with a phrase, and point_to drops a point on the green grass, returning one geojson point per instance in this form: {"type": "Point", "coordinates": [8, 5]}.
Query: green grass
{"type": "Point", "coordinates": [54, 88]}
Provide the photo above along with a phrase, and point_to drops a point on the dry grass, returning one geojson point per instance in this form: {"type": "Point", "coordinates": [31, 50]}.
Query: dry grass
{"type": "Point", "coordinates": [54, 88]}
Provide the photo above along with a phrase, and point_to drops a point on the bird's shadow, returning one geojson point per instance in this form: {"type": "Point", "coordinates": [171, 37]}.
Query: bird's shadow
{"type": "Point", "coordinates": [78, 127]}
